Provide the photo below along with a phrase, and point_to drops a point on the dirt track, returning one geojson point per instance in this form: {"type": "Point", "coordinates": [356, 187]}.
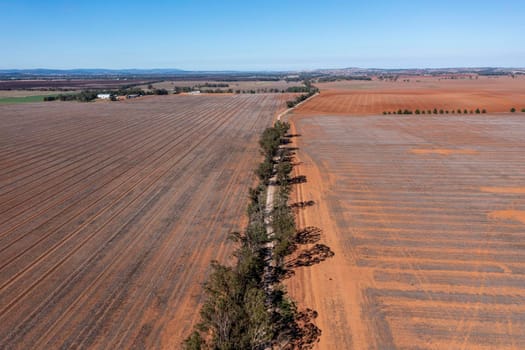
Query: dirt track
{"type": "Point", "coordinates": [495, 94]}
{"type": "Point", "coordinates": [426, 218]}
{"type": "Point", "coordinates": [111, 213]}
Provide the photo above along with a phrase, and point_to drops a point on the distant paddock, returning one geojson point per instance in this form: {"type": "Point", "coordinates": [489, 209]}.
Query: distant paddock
{"type": "Point", "coordinates": [495, 94]}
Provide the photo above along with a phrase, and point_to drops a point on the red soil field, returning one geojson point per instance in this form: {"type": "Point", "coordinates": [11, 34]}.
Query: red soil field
{"type": "Point", "coordinates": [495, 94]}
{"type": "Point", "coordinates": [426, 217]}
{"type": "Point", "coordinates": [112, 212]}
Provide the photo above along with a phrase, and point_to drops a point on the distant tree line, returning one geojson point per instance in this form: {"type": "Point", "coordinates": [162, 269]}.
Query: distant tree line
{"type": "Point", "coordinates": [83, 96]}
{"type": "Point", "coordinates": [217, 91]}
{"type": "Point", "coordinates": [90, 95]}
{"type": "Point", "coordinates": [213, 85]}
{"type": "Point", "coordinates": [260, 90]}
{"type": "Point", "coordinates": [220, 89]}
{"type": "Point", "coordinates": [180, 89]}
{"type": "Point", "coordinates": [303, 76]}
{"type": "Point", "coordinates": [436, 111]}
{"type": "Point", "coordinates": [251, 78]}
{"type": "Point", "coordinates": [130, 91]}
{"type": "Point", "coordinates": [392, 77]}
{"type": "Point", "coordinates": [296, 89]}
{"type": "Point", "coordinates": [492, 72]}
{"type": "Point", "coordinates": [312, 90]}
{"type": "Point", "coordinates": [159, 92]}
{"type": "Point", "coordinates": [342, 77]}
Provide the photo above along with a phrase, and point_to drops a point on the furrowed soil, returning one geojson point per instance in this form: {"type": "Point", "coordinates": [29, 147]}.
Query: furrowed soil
{"type": "Point", "coordinates": [426, 217]}
{"type": "Point", "coordinates": [495, 94]}
{"type": "Point", "coordinates": [112, 212]}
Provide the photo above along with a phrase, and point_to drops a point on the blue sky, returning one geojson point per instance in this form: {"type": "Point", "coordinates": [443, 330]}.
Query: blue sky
{"type": "Point", "coordinates": [262, 35]}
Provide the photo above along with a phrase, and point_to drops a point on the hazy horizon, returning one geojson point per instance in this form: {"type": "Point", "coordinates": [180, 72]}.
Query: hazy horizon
{"type": "Point", "coordinates": [258, 70]}
{"type": "Point", "coordinates": [270, 35]}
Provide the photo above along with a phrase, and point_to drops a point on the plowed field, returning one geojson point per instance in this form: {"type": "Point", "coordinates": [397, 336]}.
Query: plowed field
{"type": "Point", "coordinates": [426, 217]}
{"type": "Point", "coordinates": [375, 97]}
{"type": "Point", "coordinates": [111, 213]}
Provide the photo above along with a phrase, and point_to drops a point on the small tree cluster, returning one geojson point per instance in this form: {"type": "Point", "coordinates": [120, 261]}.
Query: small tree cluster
{"type": "Point", "coordinates": [160, 92]}
{"type": "Point", "coordinates": [130, 91]}
{"type": "Point", "coordinates": [179, 89]}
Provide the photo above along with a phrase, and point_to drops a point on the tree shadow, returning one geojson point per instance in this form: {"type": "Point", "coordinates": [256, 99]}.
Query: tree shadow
{"type": "Point", "coordinates": [302, 204]}
{"type": "Point", "coordinates": [299, 179]}
{"type": "Point", "coordinates": [279, 274]}
{"type": "Point", "coordinates": [307, 257]}
{"type": "Point", "coordinates": [311, 256]}
{"type": "Point", "coordinates": [296, 328]}
{"type": "Point", "coordinates": [307, 332]}
{"type": "Point", "coordinates": [308, 235]}
{"type": "Point", "coordinates": [303, 333]}
{"type": "Point", "coordinates": [291, 148]}
{"type": "Point", "coordinates": [292, 135]}
{"type": "Point", "coordinates": [289, 158]}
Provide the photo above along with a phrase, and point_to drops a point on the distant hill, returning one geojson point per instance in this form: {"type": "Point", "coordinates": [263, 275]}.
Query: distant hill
{"type": "Point", "coordinates": [179, 74]}
{"type": "Point", "coordinates": [422, 71]}
{"type": "Point", "coordinates": [132, 73]}
{"type": "Point", "coordinates": [90, 71]}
